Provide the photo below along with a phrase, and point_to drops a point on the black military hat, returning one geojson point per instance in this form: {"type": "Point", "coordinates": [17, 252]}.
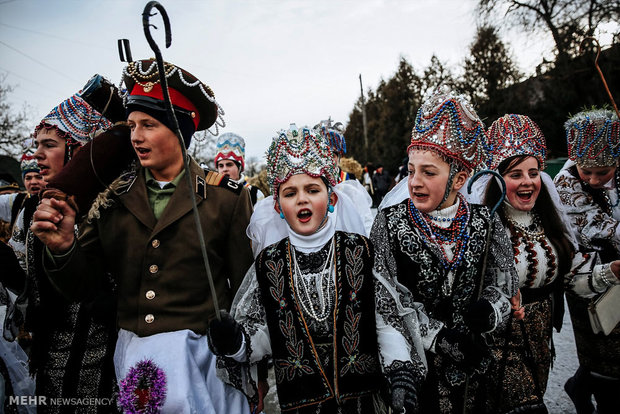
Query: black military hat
{"type": "Point", "coordinates": [188, 94]}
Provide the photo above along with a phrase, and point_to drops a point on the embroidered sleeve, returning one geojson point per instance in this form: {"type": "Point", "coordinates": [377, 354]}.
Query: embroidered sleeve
{"type": "Point", "coordinates": [588, 218]}
{"type": "Point", "coordinates": [386, 268]}
{"type": "Point", "coordinates": [398, 326]}
{"type": "Point", "coordinates": [588, 276]}
{"type": "Point", "coordinates": [500, 280]}
{"type": "Point", "coordinates": [240, 370]}
{"type": "Point", "coordinates": [248, 310]}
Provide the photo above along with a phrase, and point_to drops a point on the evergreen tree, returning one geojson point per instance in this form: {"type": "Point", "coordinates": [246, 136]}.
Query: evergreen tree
{"type": "Point", "coordinates": [488, 69]}
{"type": "Point", "coordinates": [437, 75]}
{"type": "Point", "coordinates": [390, 113]}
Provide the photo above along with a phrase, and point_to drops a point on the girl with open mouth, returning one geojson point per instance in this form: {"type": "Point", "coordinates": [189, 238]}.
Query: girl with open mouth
{"type": "Point", "coordinates": [312, 302]}
{"type": "Point", "coordinates": [433, 243]}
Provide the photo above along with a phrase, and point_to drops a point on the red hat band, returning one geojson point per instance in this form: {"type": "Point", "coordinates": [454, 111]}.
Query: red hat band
{"type": "Point", "coordinates": [179, 100]}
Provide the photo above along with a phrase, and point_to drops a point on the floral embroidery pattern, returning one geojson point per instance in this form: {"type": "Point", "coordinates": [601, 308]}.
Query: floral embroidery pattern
{"type": "Point", "coordinates": [353, 361]}
{"type": "Point", "coordinates": [275, 277]}
{"type": "Point", "coordinates": [295, 363]}
{"type": "Point", "coordinates": [594, 220]}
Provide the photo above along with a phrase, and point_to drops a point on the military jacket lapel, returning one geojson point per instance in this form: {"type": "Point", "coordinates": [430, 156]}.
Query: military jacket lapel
{"type": "Point", "coordinates": [137, 202]}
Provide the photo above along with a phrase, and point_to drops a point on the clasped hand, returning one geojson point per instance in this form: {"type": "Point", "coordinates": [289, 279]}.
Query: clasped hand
{"type": "Point", "coordinates": [53, 223]}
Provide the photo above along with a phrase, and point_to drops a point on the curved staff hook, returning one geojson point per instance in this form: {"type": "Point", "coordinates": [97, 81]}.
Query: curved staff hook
{"type": "Point", "coordinates": [486, 249]}
{"type": "Point", "coordinates": [146, 15]}
{"type": "Point", "coordinates": [600, 72]}
{"type": "Point", "coordinates": [501, 182]}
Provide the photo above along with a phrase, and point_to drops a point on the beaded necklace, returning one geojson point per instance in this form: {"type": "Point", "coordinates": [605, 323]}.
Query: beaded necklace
{"type": "Point", "coordinates": [455, 233]}
{"type": "Point", "coordinates": [612, 206]}
{"type": "Point", "coordinates": [529, 235]}
{"type": "Point", "coordinates": [324, 288]}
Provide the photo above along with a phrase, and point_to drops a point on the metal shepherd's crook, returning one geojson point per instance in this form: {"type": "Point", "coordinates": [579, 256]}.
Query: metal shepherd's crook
{"type": "Point", "coordinates": [486, 247]}
{"type": "Point", "coordinates": [493, 210]}
{"type": "Point", "coordinates": [146, 15]}
{"type": "Point", "coordinates": [600, 72]}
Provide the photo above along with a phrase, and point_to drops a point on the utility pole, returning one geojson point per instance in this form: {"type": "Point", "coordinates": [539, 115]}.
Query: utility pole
{"type": "Point", "coordinates": [364, 121]}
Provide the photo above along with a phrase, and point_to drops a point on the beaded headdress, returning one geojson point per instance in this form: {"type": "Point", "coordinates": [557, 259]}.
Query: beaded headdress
{"type": "Point", "coordinates": [513, 135]}
{"type": "Point", "coordinates": [75, 119]}
{"type": "Point", "coordinates": [299, 151]}
{"type": "Point", "coordinates": [448, 124]}
{"type": "Point", "coordinates": [593, 138]}
{"type": "Point", "coordinates": [29, 164]}
{"type": "Point", "coordinates": [187, 93]}
{"type": "Point", "coordinates": [231, 147]}
{"type": "Point", "coordinates": [333, 135]}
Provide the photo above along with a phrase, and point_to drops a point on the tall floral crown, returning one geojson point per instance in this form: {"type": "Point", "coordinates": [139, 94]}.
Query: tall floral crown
{"type": "Point", "coordinates": [75, 119]}
{"type": "Point", "coordinates": [299, 151]}
{"type": "Point", "coordinates": [333, 135]}
{"type": "Point", "coordinates": [230, 147]}
{"type": "Point", "coordinates": [592, 138]}
{"type": "Point", "coordinates": [513, 135]}
{"type": "Point", "coordinates": [448, 124]}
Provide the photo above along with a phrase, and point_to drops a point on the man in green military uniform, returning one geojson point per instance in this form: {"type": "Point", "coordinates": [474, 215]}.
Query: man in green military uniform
{"type": "Point", "coordinates": [141, 232]}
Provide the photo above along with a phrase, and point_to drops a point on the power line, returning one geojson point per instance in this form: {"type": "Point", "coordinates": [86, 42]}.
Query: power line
{"type": "Point", "coordinates": [37, 61]}
{"type": "Point", "coordinates": [43, 86]}
{"type": "Point", "coordinates": [90, 45]}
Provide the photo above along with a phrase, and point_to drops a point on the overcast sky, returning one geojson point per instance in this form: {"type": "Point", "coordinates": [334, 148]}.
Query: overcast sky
{"type": "Point", "coordinates": [269, 63]}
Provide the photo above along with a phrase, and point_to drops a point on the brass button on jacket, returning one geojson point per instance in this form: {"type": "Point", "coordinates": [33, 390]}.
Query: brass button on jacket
{"type": "Point", "coordinates": [155, 243]}
{"type": "Point", "coordinates": [153, 269]}
{"type": "Point", "coordinates": [150, 294]}
{"type": "Point", "coordinates": [149, 318]}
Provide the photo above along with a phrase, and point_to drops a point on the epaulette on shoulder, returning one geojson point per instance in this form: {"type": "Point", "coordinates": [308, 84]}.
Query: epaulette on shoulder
{"type": "Point", "coordinates": [107, 197]}
{"type": "Point", "coordinates": [217, 180]}
{"type": "Point", "coordinates": [124, 182]}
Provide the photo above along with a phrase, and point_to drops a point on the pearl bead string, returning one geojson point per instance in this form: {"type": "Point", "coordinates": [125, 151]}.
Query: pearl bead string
{"type": "Point", "coordinates": [325, 291]}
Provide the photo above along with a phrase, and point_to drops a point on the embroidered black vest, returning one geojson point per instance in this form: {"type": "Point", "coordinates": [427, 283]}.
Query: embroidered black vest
{"type": "Point", "coordinates": [301, 378]}
{"type": "Point", "coordinates": [418, 262]}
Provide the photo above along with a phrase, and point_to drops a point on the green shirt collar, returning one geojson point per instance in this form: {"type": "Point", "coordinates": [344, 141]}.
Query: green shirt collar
{"type": "Point", "coordinates": [152, 182]}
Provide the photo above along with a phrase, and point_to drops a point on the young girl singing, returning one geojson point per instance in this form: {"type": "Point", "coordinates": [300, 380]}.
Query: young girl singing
{"type": "Point", "coordinates": [311, 301]}
{"type": "Point", "coordinates": [532, 217]}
